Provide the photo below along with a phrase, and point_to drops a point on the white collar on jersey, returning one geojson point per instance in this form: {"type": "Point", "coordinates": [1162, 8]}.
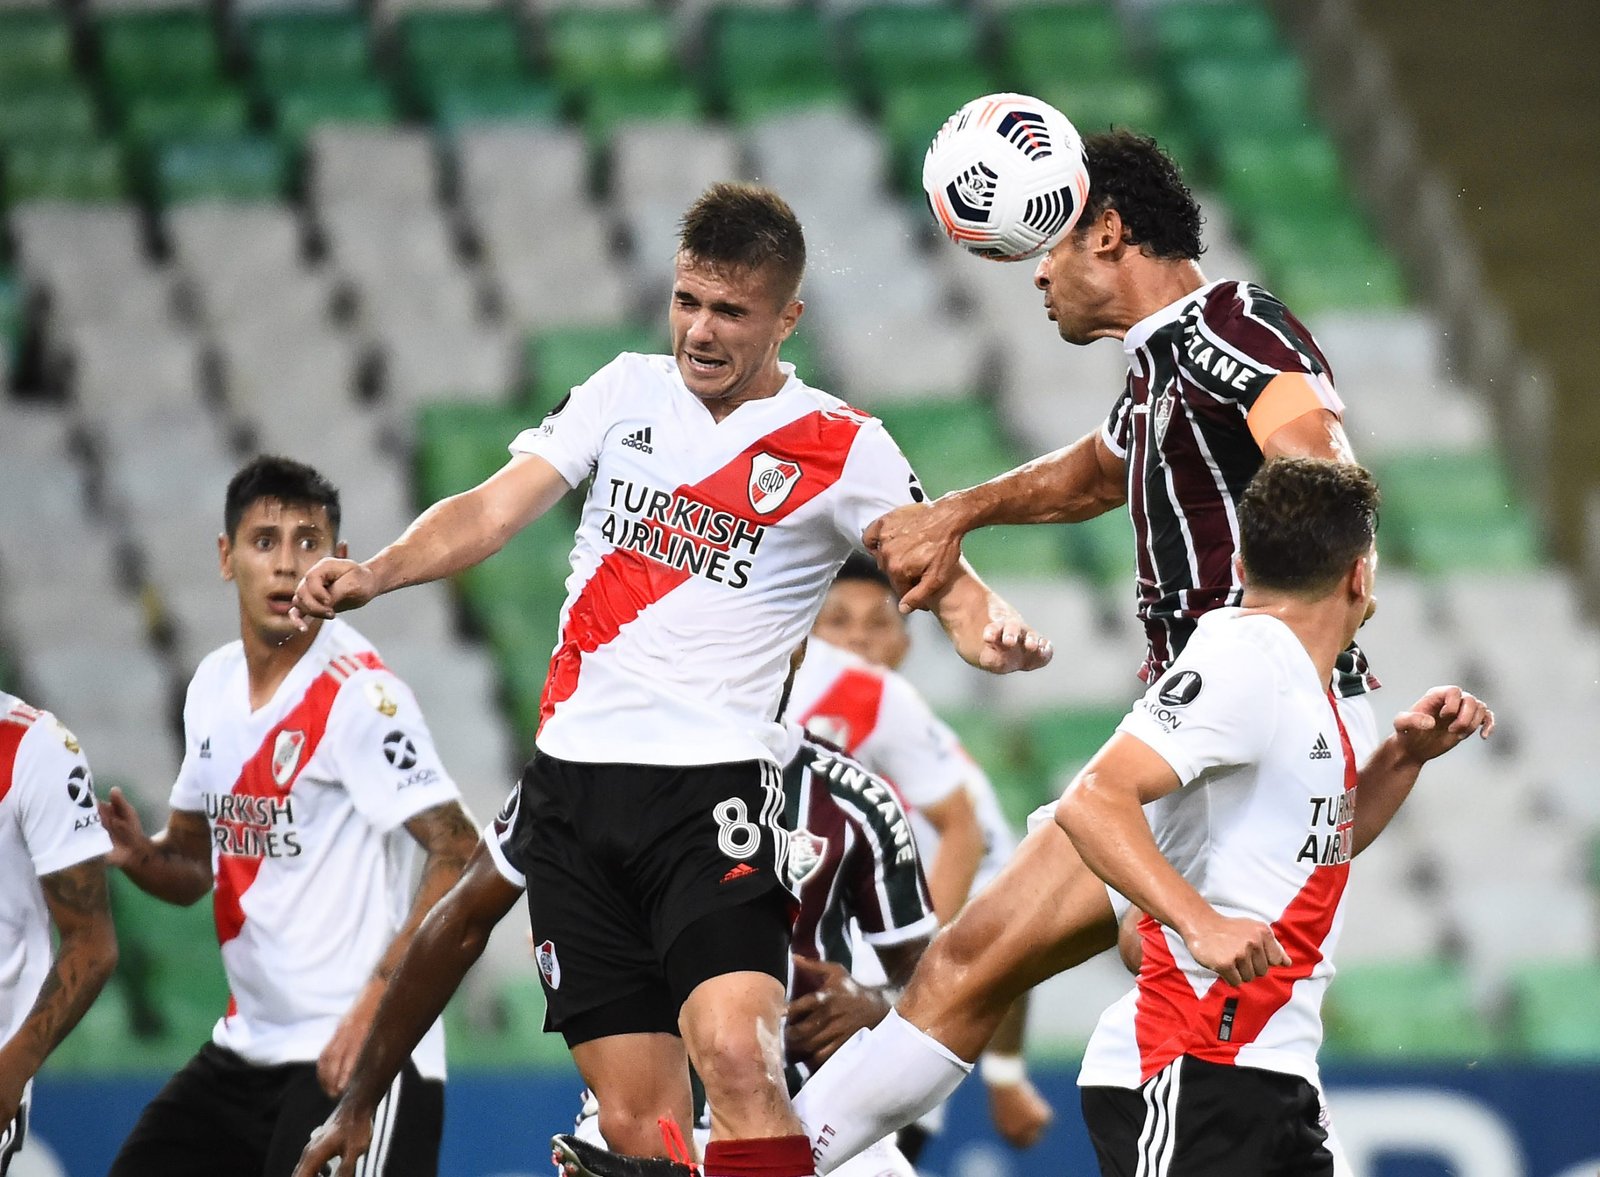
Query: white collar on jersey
{"type": "Point", "coordinates": [1141, 331]}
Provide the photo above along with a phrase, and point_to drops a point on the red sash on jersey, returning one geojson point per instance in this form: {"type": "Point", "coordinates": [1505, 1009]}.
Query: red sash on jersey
{"type": "Point", "coordinates": [309, 717]}
{"type": "Point", "coordinates": [855, 696]}
{"type": "Point", "coordinates": [12, 728]}
{"type": "Point", "coordinates": [1169, 1020]}
{"type": "Point", "coordinates": [627, 582]}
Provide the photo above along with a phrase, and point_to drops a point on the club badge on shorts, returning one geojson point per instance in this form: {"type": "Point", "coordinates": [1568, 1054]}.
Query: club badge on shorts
{"type": "Point", "coordinates": [771, 480]}
{"type": "Point", "coordinates": [549, 967]}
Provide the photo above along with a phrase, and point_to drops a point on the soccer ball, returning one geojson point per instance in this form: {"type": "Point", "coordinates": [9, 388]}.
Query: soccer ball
{"type": "Point", "coordinates": [1005, 177]}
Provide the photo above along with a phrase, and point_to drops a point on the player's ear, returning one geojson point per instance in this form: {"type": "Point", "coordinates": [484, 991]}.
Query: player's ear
{"type": "Point", "coordinates": [1238, 568]}
{"type": "Point", "coordinates": [1110, 234]}
{"type": "Point", "coordinates": [790, 317]}
{"type": "Point", "coordinates": [224, 555]}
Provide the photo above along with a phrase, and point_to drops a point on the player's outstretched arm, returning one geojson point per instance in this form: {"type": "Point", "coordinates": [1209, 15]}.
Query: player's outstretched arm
{"type": "Point", "coordinates": [450, 939]}
{"type": "Point", "coordinates": [76, 900]}
{"type": "Point", "coordinates": [1101, 812]}
{"type": "Point", "coordinates": [449, 537]}
{"type": "Point", "coordinates": [174, 866]}
{"type": "Point", "coordinates": [448, 836]}
{"type": "Point", "coordinates": [1436, 723]}
{"type": "Point", "coordinates": [985, 630]}
{"type": "Point", "coordinates": [919, 546]}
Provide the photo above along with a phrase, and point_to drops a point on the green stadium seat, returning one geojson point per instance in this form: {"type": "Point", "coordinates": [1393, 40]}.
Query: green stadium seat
{"type": "Point", "coordinates": [1061, 742]}
{"type": "Point", "coordinates": [461, 445]}
{"type": "Point", "coordinates": [1405, 1012]}
{"type": "Point", "coordinates": [1508, 542]}
{"type": "Point", "coordinates": [152, 120]}
{"type": "Point", "coordinates": [1447, 512]}
{"type": "Point", "coordinates": [104, 1041]}
{"type": "Point", "coordinates": [1041, 45]}
{"type": "Point", "coordinates": [912, 114]}
{"type": "Point", "coordinates": [1015, 551]}
{"type": "Point", "coordinates": [444, 48]}
{"type": "Point", "coordinates": [951, 443]}
{"type": "Point", "coordinates": [555, 362]}
{"type": "Point", "coordinates": [158, 52]}
{"type": "Point", "coordinates": [298, 110]}
{"type": "Point", "coordinates": [895, 44]}
{"type": "Point", "coordinates": [800, 350]}
{"type": "Point", "coordinates": [1324, 259]}
{"type": "Point", "coordinates": [1001, 750]}
{"type": "Point", "coordinates": [12, 320]}
{"type": "Point", "coordinates": [761, 100]}
{"type": "Point", "coordinates": [35, 48]}
{"type": "Point", "coordinates": [471, 103]}
{"type": "Point", "coordinates": [1224, 100]}
{"type": "Point", "coordinates": [171, 969]}
{"type": "Point", "coordinates": [1299, 175]}
{"type": "Point", "coordinates": [71, 170]}
{"type": "Point", "coordinates": [511, 1038]}
{"type": "Point", "coordinates": [1555, 1012]}
{"type": "Point", "coordinates": [1186, 32]}
{"type": "Point", "coordinates": [1102, 549]}
{"type": "Point", "coordinates": [46, 112]}
{"type": "Point", "coordinates": [633, 102]}
{"type": "Point", "coordinates": [1097, 104]}
{"type": "Point", "coordinates": [591, 49]}
{"type": "Point", "coordinates": [1371, 282]}
{"type": "Point", "coordinates": [762, 48]}
{"type": "Point", "coordinates": [243, 167]}
{"type": "Point", "coordinates": [293, 50]}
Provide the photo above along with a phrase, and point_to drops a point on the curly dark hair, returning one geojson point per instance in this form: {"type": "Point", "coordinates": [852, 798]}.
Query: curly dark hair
{"type": "Point", "coordinates": [1132, 174]}
{"type": "Point", "coordinates": [748, 227]}
{"type": "Point", "coordinates": [1303, 521]}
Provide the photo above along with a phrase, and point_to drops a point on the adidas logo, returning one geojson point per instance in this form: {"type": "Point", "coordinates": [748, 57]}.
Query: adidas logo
{"type": "Point", "coordinates": [205, 748]}
{"type": "Point", "coordinates": [639, 440]}
{"type": "Point", "coordinates": [1319, 750]}
{"type": "Point", "coordinates": [743, 871]}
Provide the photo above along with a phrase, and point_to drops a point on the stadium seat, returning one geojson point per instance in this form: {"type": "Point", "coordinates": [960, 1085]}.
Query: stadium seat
{"type": "Point", "coordinates": [1185, 32]}
{"type": "Point", "coordinates": [612, 106]}
{"type": "Point", "coordinates": [1414, 1011]}
{"type": "Point", "coordinates": [48, 112]}
{"type": "Point", "coordinates": [155, 119]}
{"type": "Point", "coordinates": [35, 49]}
{"type": "Point", "coordinates": [298, 48]}
{"type": "Point", "coordinates": [593, 49]}
{"type": "Point", "coordinates": [443, 49]}
{"type": "Point", "coordinates": [761, 100]}
{"type": "Point", "coordinates": [455, 106]}
{"type": "Point", "coordinates": [1275, 175]}
{"type": "Point", "coordinates": [951, 444]}
{"type": "Point", "coordinates": [1061, 741]}
{"type": "Point", "coordinates": [1228, 99]}
{"type": "Point", "coordinates": [1446, 511]}
{"type": "Point", "coordinates": [299, 110]}
{"type": "Point", "coordinates": [1556, 1011]}
{"type": "Point", "coordinates": [892, 45]}
{"type": "Point", "coordinates": [1048, 43]}
{"type": "Point", "coordinates": [1000, 748]}
{"type": "Point", "coordinates": [242, 167]}
{"type": "Point", "coordinates": [511, 1037]}
{"type": "Point", "coordinates": [1096, 104]}
{"type": "Point", "coordinates": [74, 170]}
{"type": "Point", "coordinates": [555, 362]}
{"type": "Point", "coordinates": [757, 53]}
{"type": "Point", "coordinates": [157, 52]}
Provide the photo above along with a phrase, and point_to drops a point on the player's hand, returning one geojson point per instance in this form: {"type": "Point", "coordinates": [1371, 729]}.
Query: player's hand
{"type": "Point", "coordinates": [342, 1140]}
{"type": "Point", "coordinates": [1439, 721]}
{"type": "Point", "coordinates": [837, 1005]}
{"type": "Point", "coordinates": [331, 586]}
{"type": "Point", "coordinates": [1010, 643]}
{"type": "Point", "coordinates": [1019, 1112]}
{"type": "Point", "coordinates": [1237, 950]}
{"type": "Point", "coordinates": [919, 547]}
{"type": "Point", "coordinates": [338, 1058]}
{"type": "Point", "coordinates": [121, 822]}
{"type": "Point", "coordinates": [1130, 945]}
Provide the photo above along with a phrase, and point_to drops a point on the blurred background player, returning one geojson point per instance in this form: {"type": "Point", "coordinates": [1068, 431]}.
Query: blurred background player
{"type": "Point", "coordinates": [855, 867]}
{"type": "Point", "coordinates": [52, 876]}
{"type": "Point", "coordinates": [722, 494]}
{"type": "Point", "coordinates": [308, 784]}
{"type": "Point", "coordinates": [1225, 807]}
{"type": "Point", "coordinates": [860, 614]}
{"type": "Point", "coordinates": [1221, 377]}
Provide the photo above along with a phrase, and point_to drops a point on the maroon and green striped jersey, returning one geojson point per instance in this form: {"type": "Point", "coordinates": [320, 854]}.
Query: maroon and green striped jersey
{"type": "Point", "coordinates": [1195, 370]}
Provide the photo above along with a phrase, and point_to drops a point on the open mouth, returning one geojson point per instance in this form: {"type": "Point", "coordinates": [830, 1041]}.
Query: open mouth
{"type": "Point", "coordinates": [704, 364]}
{"type": "Point", "coordinates": [280, 603]}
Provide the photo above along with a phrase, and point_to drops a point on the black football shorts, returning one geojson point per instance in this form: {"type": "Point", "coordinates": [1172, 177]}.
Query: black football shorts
{"type": "Point", "coordinates": [645, 880]}
{"type": "Point", "coordinates": [1200, 1119]}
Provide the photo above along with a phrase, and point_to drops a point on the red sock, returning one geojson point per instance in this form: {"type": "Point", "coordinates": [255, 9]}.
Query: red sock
{"type": "Point", "coordinates": [772, 1156]}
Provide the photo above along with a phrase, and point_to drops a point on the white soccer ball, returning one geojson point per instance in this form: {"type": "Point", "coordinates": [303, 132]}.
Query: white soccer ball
{"type": "Point", "coordinates": [1005, 177]}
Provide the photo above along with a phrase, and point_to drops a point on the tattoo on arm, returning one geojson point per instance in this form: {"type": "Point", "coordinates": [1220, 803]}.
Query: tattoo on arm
{"type": "Point", "coordinates": [446, 832]}
{"type": "Point", "coordinates": [80, 909]}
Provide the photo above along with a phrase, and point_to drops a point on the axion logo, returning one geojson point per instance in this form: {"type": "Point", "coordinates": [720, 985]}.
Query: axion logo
{"type": "Point", "coordinates": [399, 750]}
{"type": "Point", "coordinates": [771, 480]}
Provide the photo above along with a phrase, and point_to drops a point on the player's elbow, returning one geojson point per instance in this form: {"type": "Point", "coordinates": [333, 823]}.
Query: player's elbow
{"type": "Point", "coordinates": [1079, 806]}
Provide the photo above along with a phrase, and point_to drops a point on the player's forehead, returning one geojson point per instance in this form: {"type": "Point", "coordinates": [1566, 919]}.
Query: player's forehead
{"type": "Point", "coordinates": [861, 597]}
{"type": "Point", "coordinates": [710, 282]}
{"type": "Point", "coordinates": [269, 513]}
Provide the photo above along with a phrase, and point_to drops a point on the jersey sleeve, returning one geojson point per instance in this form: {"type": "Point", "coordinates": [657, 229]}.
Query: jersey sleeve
{"type": "Point", "coordinates": [57, 807]}
{"type": "Point", "coordinates": [1117, 432]}
{"type": "Point", "coordinates": [383, 752]}
{"type": "Point", "coordinates": [1243, 339]}
{"type": "Point", "coordinates": [1213, 708]}
{"type": "Point", "coordinates": [497, 838]}
{"type": "Point", "coordinates": [876, 479]}
{"type": "Point", "coordinates": [571, 434]}
{"type": "Point", "coordinates": [913, 747]}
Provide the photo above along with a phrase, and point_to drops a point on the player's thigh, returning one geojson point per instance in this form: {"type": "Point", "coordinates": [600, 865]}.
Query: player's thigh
{"type": "Point", "coordinates": [213, 1116]}
{"type": "Point", "coordinates": [406, 1126]}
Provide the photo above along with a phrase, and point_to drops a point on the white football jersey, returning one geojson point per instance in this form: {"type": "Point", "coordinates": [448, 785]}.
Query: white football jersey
{"type": "Point", "coordinates": [307, 799]}
{"type": "Point", "coordinates": [49, 821]}
{"type": "Point", "coordinates": [882, 720]}
{"type": "Point", "coordinates": [1262, 828]}
{"type": "Point", "coordinates": [703, 554]}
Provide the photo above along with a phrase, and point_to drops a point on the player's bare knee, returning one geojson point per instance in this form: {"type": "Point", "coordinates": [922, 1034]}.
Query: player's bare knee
{"type": "Point", "coordinates": [632, 1128]}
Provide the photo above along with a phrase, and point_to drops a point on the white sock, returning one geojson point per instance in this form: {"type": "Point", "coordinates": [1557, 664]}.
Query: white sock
{"type": "Point", "coordinates": [877, 1083]}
